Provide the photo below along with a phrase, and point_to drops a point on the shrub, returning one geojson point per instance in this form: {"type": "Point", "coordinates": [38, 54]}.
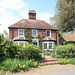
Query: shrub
{"type": "Point", "coordinates": [62, 61]}
{"type": "Point", "coordinates": [65, 51]}
{"type": "Point", "coordinates": [69, 42]}
{"type": "Point", "coordinates": [15, 65]}
{"type": "Point", "coordinates": [2, 72]}
{"type": "Point", "coordinates": [72, 61]}
{"type": "Point", "coordinates": [30, 52]}
{"type": "Point", "coordinates": [47, 53]}
{"type": "Point", "coordinates": [41, 64]}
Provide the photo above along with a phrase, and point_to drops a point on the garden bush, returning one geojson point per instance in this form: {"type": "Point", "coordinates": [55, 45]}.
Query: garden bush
{"type": "Point", "coordinates": [72, 61]}
{"type": "Point", "coordinates": [11, 50]}
{"type": "Point", "coordinates": [62, 61]}
{"type": "Point", "coordinates": [65, 51]}
{"type": "Point", "coordinates": [30, 52]}
{"type": "Point", "coordinates": [15, 65]}
{"type": "Point", "coordinates": [69, 42]}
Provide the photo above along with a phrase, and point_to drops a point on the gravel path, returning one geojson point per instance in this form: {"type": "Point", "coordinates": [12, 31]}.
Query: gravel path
{"type": "Point", "coordinates": [48, 70]}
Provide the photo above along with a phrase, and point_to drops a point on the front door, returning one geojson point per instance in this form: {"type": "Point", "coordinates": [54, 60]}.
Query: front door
{"type": "Point", "coordinates": [35, 42]}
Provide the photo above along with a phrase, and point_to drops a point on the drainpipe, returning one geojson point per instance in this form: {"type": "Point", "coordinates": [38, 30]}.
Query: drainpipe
{"type": "Point", "coordinates": [56, 37]}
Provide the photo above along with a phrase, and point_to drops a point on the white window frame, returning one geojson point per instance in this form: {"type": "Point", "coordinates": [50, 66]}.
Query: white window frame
{"type": "Point", "coordinates": [36, 33]}
{"type": "Point", "coordinates": [20, 32]}
{"type": "Point", "coordinates": [53, 43]}
{"type": "Point", "coordinates": [50, 33]}
{"type": "Point", "coordinates": [36, 40]}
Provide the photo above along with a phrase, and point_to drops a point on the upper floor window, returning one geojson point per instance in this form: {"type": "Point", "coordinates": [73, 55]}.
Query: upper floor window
{"type": "Point", "coordinates": [34, 33]}
{"type": "Point", "coordinates": [48, 33]}
{"type": "Point", "coordinates": [20, 32]}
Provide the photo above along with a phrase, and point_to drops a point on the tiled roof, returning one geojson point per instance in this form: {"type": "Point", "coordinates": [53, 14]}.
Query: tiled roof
{"type": "Point", "coordinates": [35, 24]}
{"type": "Point", "coordinates": [48, 38]}
{"type": "Point", "coordinates": [69, 37]}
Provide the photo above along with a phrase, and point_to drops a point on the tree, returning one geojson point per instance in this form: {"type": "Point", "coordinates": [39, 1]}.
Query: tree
{"type": "Point", "coordinates": [64, 19]}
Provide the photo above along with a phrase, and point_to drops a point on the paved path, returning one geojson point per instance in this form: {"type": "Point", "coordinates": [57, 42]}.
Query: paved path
{"type": "Point", "coordinates": [49, 70]}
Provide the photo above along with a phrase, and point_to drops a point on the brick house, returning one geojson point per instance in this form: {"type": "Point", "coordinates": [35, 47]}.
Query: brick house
{"type": "Point", "coordinates": [36, 27]}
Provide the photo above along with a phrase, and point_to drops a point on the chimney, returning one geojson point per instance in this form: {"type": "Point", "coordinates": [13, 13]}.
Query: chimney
{"type": "Point", "coordinates": [32, 15]}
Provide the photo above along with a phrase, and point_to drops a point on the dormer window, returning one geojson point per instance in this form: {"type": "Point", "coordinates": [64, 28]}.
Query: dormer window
{"type": "Point", "coordinates": [21, 32]}
{"type": "Point", "coordinates": [48, 33]}
{"type": "Point", "coordinates": [34, 32]}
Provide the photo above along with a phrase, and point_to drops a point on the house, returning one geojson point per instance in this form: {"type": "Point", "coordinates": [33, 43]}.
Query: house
{"type": "Point", "coordinates": [67, 37]}
{"type": "Point", "coordinates": [47, 33]}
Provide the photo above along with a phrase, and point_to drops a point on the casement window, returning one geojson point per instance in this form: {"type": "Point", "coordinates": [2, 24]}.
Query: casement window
{"type": "Point", "coordinates": [48, 45]}
{"type": "Point", "coordinates": [34, 32]}
{"type": "Point", "coordinates": [45, 45]}
{"type": "Point", "coordinates": [21, 32]}
{"type": "Point", "coordinates": [48, 33]}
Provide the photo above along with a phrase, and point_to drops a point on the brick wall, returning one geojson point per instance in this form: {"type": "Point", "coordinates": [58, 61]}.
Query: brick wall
{"type": "Point", "coordinates": [15, 33]}
{"type": "Point", "coordinates": [53, 34]}
{"type": "Point", "coordinates": [10, 33]}
{"type": "Point", "coordinates": [40, 32]}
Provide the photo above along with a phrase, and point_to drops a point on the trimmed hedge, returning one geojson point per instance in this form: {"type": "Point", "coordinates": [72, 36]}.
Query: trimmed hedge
{"type": "Point", "coordinates": [65, 51]}
{"type": "Point", "coordinates": [69, 42]}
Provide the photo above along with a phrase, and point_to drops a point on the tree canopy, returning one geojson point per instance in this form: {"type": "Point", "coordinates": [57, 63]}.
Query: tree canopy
{"type": "Point", "coordinates": [64, 19]}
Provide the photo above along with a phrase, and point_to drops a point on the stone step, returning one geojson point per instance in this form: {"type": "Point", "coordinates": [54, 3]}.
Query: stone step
{"type": "Point", "coordinates": [50, 60]}
{"type": "Point", "coordinates": [50, 63]}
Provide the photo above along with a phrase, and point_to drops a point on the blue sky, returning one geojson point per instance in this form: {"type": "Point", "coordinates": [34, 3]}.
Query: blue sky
{"type": "Point", "coordinates": [11, 11]}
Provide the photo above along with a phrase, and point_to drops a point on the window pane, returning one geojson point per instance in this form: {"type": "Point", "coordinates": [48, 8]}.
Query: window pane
{"type": "Point", "coordinates": [35, 42]}
{"type": "Point", "coordinates": [48, 33]}
{"type": "Point", "coordinates": [34, 32]}
{"type": "Point", "coordinates": [50, 45]}
{"type": "Point", "coordinates": [45, 45]}
{"type": "Point", "coordinates": [20, 30]}
{"type": "Point", "coordinates": [21, 34]}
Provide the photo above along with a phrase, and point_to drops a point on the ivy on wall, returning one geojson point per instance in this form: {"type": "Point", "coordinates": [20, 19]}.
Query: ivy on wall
{"type": "Point", "coordinates": [28, 35]}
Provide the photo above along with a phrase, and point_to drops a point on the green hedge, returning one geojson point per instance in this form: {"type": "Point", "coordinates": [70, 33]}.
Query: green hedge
{"type": "Point", "coordinates": [19, 51]}
{"type": "Point", "coordinates": [30, 52]}
{"type": "Point", "coordinates": [65, 51]}
{"type": "Point", "coordinates": [69, 42]}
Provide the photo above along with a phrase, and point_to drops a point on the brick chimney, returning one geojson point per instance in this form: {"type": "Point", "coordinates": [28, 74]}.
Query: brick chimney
{"type": "Point", "coordinates": [32, 15]}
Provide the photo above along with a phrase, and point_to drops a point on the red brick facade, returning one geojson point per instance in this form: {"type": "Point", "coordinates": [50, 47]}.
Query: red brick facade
{"type": "Point", "coordinates": [13, 33]}
{"type": "Point", "coordinates": [41, 32]}
{"type": "Point", "coordinates": [10, 33]}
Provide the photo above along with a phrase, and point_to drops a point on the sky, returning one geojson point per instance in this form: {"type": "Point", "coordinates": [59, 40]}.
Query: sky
{"type": "Point", "coordinates": [11, 11]}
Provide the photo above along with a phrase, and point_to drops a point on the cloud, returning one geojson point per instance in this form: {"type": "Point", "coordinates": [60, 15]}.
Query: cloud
{"type": "Point", "coordinates": [43, 16]}
{"type": "Point", "coordinates": [12, 4]}
{"type": "Point", "coordinates": [7, 17]}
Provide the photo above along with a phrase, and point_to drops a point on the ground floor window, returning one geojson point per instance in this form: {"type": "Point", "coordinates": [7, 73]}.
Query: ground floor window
{"type": "Point", "coordinates": [45, 45]}
{"type": "Point", "coordinates": [48, 45]}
